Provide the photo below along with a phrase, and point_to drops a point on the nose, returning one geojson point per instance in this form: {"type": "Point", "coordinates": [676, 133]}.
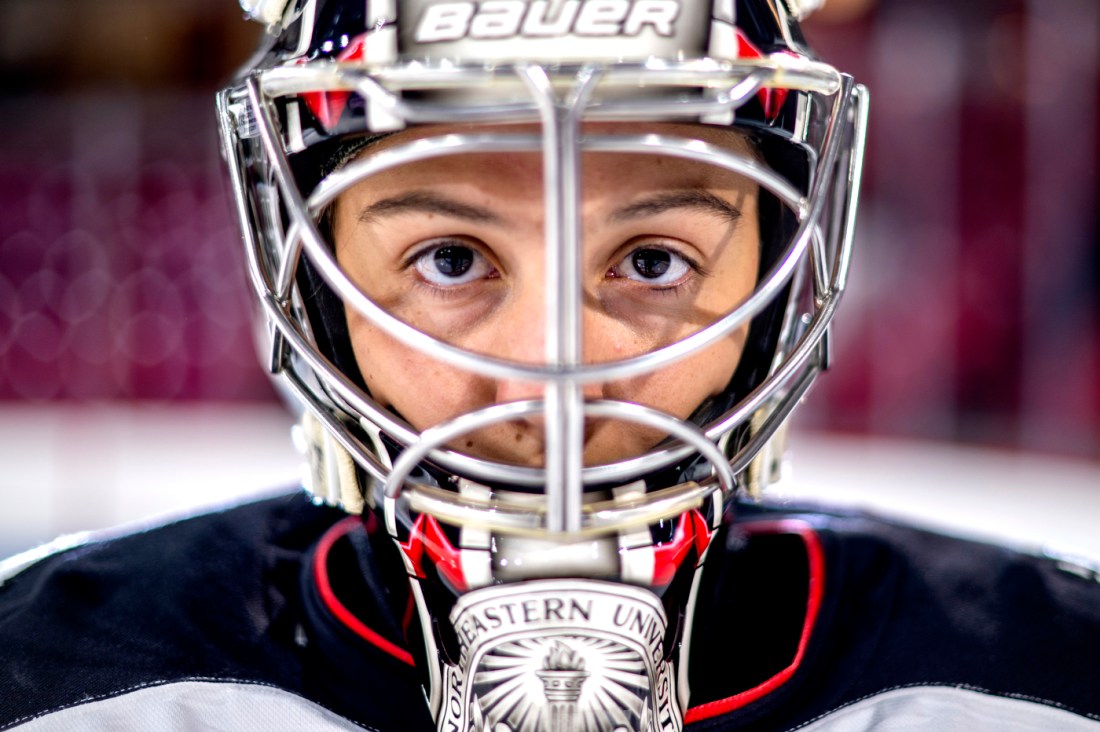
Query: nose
{"type": "Point", "coordinates": [522, 339]}
{"type": "Point", "coordinates": [508, 390]}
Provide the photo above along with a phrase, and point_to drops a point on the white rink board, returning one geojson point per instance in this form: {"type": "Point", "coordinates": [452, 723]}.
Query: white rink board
{"type": "Point", "coordinates": [91, 466]}
{"type": "Point", "coordinates": [1031, 501]}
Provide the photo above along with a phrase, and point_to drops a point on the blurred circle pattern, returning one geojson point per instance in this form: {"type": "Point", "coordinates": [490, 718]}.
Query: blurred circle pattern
{"type": "Point", "coordinates": [121, 275]}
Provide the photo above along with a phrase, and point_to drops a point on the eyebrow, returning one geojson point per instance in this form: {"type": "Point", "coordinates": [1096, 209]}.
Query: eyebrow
{"type": "Point", "coordinates": [691, 199]}
{"type": "Point", "coordinates": [428, 203]}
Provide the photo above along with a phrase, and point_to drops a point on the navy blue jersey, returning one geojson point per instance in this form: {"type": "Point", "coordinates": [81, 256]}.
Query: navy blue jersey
{"type": "Point", "coordinates": [263, 618]}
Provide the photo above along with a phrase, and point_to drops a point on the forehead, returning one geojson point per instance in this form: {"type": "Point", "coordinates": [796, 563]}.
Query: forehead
{"type": "Point", "coordinates": [636, 171]}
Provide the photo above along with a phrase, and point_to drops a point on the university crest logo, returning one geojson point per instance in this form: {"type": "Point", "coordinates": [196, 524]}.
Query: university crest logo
{"type": "Point", "coordinates": [560, 656]}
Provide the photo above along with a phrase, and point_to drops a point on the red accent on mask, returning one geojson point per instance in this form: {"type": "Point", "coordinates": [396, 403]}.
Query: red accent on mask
{"type": "Point", "coordinates": [770, 99]}
{"type": "Point", "coordinates": [327, 106]}
{"type": "Point", "coordinates": [691, 531]}
{"type": "Point", "coordinates": [427, 539]}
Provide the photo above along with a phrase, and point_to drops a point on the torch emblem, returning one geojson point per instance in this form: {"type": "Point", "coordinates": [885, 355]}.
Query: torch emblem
{"type": "Point", "coordinates": [562, 675]}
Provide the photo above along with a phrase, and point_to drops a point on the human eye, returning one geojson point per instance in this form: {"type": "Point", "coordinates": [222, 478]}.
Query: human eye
{"type": "Point", "coordinates": [658, 266]}
{"type": "Point", "coordinates": [451, 262]}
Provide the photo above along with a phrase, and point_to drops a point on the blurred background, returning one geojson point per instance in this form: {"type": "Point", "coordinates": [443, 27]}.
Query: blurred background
{"type": "Point", "coordinates": [967, 387]}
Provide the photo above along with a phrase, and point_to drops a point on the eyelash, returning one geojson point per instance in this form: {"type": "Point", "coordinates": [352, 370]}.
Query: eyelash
{"type": "Point", "coordinates": [676, 288]}
{"type": "Point", "coordinates": [435, 245]}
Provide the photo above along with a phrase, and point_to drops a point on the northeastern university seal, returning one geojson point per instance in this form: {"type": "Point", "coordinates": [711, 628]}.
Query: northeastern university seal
{"type": "Point", "coordinates": [558, 656]}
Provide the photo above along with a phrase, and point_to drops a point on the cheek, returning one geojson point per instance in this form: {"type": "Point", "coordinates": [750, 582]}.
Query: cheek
{"type": "Point", "coordinates": [397, 377]}
{"type": "Point", "coordinates": [381, 360]}
{"type": "Point", "coordinates": [680, 389]}
{"type": "Point", "coordinates": [677, 390]}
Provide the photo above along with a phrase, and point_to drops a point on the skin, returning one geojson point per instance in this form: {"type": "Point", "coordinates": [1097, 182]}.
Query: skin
{"type": "Point", "coordinates": [669, 247]}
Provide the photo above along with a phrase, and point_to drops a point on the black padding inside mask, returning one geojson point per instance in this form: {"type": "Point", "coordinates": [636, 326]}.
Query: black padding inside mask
{"type": "Point", "coordinates": [324, 307]}
{"type": "Point", "coordinates": [777, 226]}
{"type": "Point", "coordinates": [329, 321]}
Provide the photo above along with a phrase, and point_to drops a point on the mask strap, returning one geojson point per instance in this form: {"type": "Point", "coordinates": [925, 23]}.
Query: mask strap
{"type": "Point", "coordinates": [330, 470]}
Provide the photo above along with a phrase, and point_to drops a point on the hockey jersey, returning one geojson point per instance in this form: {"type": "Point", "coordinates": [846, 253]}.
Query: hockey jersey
{"type": "Point", "coordinates": [255, 619]}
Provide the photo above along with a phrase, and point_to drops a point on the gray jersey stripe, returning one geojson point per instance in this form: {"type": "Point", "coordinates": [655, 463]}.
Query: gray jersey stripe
{"type": "Point", "coordinates": [950, 709]}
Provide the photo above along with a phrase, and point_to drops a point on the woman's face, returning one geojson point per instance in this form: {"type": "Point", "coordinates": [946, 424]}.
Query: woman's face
{"type": "Point", "coordinates": [454, 246]}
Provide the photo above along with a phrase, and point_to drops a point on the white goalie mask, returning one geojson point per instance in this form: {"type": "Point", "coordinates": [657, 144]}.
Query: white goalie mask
{"type": "Point", "coordinates": [411, 176]}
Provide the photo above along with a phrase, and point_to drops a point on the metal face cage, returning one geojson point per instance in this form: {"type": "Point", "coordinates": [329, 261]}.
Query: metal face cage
{"type": "Point", "coordinates": [280, 225]}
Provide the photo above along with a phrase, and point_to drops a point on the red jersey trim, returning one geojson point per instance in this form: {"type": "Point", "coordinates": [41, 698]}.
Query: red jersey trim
{"type": "Point", "coordinates": [816, 559]}
{"type": "Point", "coordinates": [337, 608]}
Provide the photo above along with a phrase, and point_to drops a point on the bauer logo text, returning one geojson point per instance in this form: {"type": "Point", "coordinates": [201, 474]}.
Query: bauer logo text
{"type": "Point", "coordinates": [503, 19]}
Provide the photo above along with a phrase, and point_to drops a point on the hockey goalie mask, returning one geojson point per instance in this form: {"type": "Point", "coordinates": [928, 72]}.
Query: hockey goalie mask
{"type": "Point", "coordinates": [547, 277]}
